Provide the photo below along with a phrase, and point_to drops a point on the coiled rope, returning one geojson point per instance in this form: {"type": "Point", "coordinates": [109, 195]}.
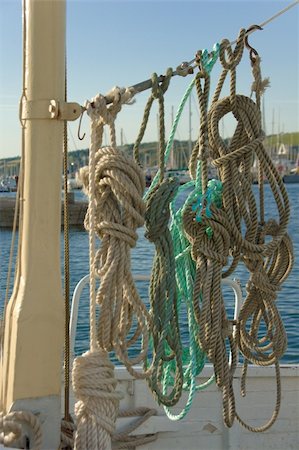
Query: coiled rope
{"type": "Point", "coordinates": [193, 358]}
{"type": "Point", "coordinates": [115, 186]}
{"type": "Point", "coordinates": [165, 335]}
{"type": "Point", "coordinates": [230, 232]}
{"type": "Point", "coordinates": [159, 196]}
{"type": "Point", "coordinates": [165, 332]}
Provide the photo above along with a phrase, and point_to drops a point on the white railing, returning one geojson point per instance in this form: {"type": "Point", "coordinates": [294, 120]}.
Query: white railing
{"type": "Point", "coordinates": [233, 284]}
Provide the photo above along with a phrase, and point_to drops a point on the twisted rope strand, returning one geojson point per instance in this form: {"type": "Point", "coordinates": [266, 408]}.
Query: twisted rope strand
{"type": "Point", "coordinates": [94, 383]}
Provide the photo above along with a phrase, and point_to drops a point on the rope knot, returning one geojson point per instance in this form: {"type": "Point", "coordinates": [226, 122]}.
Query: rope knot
{"type": "Point", "coordinates": [209, 237]}
{"type": "Point", "coordinates": [159, 89]}
{"type": "Point", "coordinates": [157, 209]}
{"type": "Point", "coordinates": [94, 386]}
{"type": "Point", "coordinates": [119, 187]}
{"type": "Point", "coordinates": [259, 280]}
{"type": "Point", "coordinates": [98, 109]}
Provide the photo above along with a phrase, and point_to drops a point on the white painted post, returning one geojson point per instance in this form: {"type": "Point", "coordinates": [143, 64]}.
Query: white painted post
{"type": "Point", "coordinates": [33, 340]}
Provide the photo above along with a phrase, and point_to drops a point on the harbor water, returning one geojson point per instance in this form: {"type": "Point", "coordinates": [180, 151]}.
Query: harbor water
{"type": "Point", "coordinates": [288, 296]}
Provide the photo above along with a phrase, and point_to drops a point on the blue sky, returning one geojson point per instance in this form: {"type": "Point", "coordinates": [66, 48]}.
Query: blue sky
{"type": "Point", "coordinates": [123, 42]}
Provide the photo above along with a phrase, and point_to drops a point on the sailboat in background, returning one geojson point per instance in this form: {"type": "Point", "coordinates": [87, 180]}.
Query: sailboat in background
{"type": "Point", "coordinates": [293, 176]}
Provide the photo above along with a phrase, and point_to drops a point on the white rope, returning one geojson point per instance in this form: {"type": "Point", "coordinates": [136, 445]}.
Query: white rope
{"type": "Point", "coordinates": [93, 377]}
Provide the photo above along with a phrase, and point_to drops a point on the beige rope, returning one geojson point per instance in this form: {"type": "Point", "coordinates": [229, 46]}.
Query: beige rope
{"type": "Point", "coordinates": [93, 374]}
{"type": "Point", "coordinates": [237, 232]}
{"type": "Point", "coordinates": [119, 211]}
{"type": "Point", "coordinates": [97, 401]}
{"type": "Point", "coordinates": [115, 185]}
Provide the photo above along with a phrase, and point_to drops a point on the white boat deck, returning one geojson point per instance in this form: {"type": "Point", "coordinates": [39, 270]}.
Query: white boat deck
{"type": "Point", "coordinates": [203, 427]}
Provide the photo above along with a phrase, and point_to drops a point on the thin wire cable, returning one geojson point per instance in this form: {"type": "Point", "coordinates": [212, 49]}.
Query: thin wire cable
{"type": "Point", "coordinates": [147, 84]}
{"type": "Point", "coordinates": [279, 13]}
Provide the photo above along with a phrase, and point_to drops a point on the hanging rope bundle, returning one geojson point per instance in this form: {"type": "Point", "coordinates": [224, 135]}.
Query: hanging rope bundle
{"type": "Point", "coordinates": [210, 243]}
{"type": "Point", "coordinates": [192, 356]}
{"type": "Point", "coordinates": [115, 186]}
{"type": "Point", "coordinates": [226, 231]}
{"type": "Point", "coordinates": [167, 346]}
{"type": "Point", "coordinates": [119, 211]}
{"type": "Point", "coordinates": [234, 164]}
{"type": "Point", "coordinates": [166, 342]}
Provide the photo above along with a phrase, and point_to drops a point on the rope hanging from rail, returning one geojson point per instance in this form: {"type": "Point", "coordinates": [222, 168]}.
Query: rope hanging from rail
{"type": "Point", "coordinates": [165, 335]}
{"type": "Point", "coordinates": [115, 185]}
{"type": "Point", "coordinates": [212, 221]}
{"type": "Point", "coordinates": [193, 356]}
{"type": "Point", "coordinates": [227, 240]}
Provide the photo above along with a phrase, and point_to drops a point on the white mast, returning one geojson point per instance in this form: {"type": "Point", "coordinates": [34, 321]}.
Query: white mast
{"type": "Point", "coordinates": [33, 340]}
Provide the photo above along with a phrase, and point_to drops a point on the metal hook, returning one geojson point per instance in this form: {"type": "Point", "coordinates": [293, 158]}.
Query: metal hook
{"type": "Point", "coordinates": [252, 52]}
{"type": "Point", "coordinates": [79, 127]}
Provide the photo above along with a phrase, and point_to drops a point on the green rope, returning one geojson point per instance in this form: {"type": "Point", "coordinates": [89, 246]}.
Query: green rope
{"type": "Point", "coordinates": [165, 333]}
{"type": "Point", "coordinates": [164, 328]}
{"type": "Point", "coordinates": [193, 355]}
{"type": "Point", "coordinates": [171, 136]}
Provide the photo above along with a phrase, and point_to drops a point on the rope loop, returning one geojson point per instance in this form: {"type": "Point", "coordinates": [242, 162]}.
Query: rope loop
{"type": "Point", "coordinates": [97, 403]}
{"type": "Point", "coordinates": [158, 91]}
{"type": "Point", "coordinates": [102, 114]}
{"type": "Point", "coordinates": [200, 150]}
{"type": "Point", "coordinates": [230, 58]}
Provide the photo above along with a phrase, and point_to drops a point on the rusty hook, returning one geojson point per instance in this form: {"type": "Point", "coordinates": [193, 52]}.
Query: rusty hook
{"type": "Point", "coordinates": [79, 127]}
{"type": "Point", "coordinates": [252, 52]}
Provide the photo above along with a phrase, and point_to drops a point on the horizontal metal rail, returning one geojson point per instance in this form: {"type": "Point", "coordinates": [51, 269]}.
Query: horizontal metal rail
{"type": "Point", "coordinates": [233, 284]}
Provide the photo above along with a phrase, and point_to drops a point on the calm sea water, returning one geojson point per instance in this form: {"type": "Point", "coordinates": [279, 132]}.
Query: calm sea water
{"type": "Point", "coordinates": [288, 296]}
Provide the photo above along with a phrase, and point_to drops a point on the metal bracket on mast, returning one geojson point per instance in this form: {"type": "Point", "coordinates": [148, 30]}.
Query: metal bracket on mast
{"type": "Point", "coordinates": [50, 109]}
